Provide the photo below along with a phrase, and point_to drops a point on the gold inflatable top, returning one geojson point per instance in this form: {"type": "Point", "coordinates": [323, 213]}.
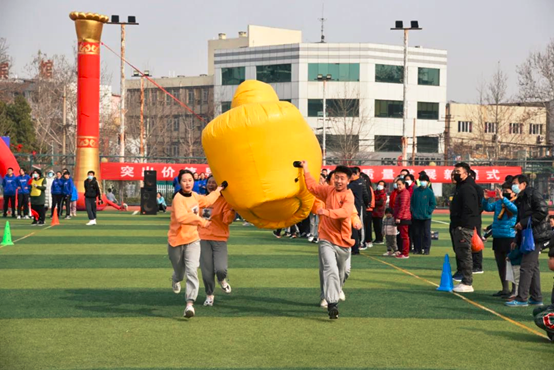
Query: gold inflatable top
{"type": "Point", "coordinates": [89, 16]}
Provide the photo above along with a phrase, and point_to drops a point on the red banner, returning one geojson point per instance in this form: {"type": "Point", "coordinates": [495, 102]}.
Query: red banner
{"type": "Point", "coordinates": [437, 174]}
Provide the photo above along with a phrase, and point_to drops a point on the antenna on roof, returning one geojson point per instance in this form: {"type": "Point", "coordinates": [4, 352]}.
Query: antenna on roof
{"type": "Point", "coordinates": [322, 20]}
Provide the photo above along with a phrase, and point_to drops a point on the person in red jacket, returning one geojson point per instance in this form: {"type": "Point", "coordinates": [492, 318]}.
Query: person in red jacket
{"type": "Point", "coordinates": [380, 197]}
{"type": "Point", "coordinates": [403, 217]}
{"type": "Point", "coordinates": [410, 183]}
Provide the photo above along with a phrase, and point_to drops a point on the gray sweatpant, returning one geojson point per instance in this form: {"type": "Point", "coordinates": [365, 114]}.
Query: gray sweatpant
{"type": "Point", "coordinates": [213, 261]}
{"type": "Point", "coordinates": [185, 260]}
{"type": "Point", "coordinates": [333, 262]}
{"type": "Point", "coordinates": [314, 225]}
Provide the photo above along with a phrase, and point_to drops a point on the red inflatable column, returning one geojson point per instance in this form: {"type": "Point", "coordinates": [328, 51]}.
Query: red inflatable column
{"type": "Point", "coordinates": [89, 32]}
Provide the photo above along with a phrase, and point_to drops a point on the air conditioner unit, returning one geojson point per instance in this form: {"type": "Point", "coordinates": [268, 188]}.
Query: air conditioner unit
{"type": "Point", "coordinates": [540, 139]}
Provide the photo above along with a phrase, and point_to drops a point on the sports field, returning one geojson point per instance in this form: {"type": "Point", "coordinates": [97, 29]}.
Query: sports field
{"type": "Point", "coordinates": [78, 297]}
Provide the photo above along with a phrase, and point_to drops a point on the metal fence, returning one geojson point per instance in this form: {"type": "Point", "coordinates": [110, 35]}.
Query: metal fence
{"type": "Point", "coordinates": [540, 171]}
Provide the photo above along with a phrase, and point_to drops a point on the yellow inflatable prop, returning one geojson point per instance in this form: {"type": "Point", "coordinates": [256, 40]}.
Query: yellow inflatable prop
{"type": "Point", "coordinates": [253, 147]}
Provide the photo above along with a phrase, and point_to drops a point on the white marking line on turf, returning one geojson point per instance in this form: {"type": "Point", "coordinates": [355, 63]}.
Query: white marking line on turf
{"type": "Point", "coordinates": [441, 222]}
{"type": "Point", "coordinates": [462, 297]}
{"type": "Point", "coordinates": [28, 235]}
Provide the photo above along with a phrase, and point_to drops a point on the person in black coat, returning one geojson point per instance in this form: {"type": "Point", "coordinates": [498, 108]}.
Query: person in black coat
{"type": "Point", "coordinates": [361, 200]}
{"type": "Point", "coordinates": [92, 191]}
{"type": "Point", "coordinates": [465, 217]}
{"type": "Point", "coordinates": [531, 209]}
{"type": "Point", "coordinates": [478, 257]}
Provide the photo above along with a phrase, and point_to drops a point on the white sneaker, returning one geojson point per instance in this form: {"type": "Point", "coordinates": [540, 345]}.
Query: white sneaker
{"type": "Point", "coordinates": [209, 301]}
{"type": "Point", "coordinates": [387, 254]}
{"type": "Point", "coordinates": [19, 217]}
{"type": "Point", "coordinates": [27, 217]}
{"type": "Point", "coordinates": [91, 222]}
{"type": "Point", "coordinates": [311, 239]}
{"type": "Point", "coordinates": [362, 248]}
{"type": "Point", "coordinates": [323, 303]}
{"type": "Point", "coordinates": [342, 297]}
{"type": "Point", "coordinates": [176, 285]}
{"type": "Point", "coordinates": [225, 286]}
{"type": "Point", "coordinates": [189, 311]}
{"type": "Point", "coordinates": [462, 288]}
{"type": "Point", "coordinates": [369, 245]}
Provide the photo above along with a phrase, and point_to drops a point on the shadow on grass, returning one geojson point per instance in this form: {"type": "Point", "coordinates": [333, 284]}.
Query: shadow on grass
{"type": "Point", "coordinates": [513, 336]}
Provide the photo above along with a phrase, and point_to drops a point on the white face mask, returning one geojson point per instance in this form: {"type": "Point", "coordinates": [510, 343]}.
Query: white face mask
{"type": "Point", "coordinates": [409, 182]}
{"type": "Point", "coordinates": [380, 187]}
{"type": "Point", "coordinates": [35, 176]}
{"type": "Point", "coordinates": [423, 183]}
{"type": "Point", "coordinates": [90, 177]}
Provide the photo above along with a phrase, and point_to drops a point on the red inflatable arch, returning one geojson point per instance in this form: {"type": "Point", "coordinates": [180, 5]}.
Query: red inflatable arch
{"type": "Point", "coordinates": [7, 159]}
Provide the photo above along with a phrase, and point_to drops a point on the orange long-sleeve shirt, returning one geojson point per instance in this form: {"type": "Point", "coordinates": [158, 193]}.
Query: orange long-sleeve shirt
{"type": "Point", "coordinates": [222, 215]}
{"type": "Point", "coordinates": [185, 217]}
{"type": "Point", "coordinates": [336, 227]}
{"type": "Point", "coordinates": [319, 204]}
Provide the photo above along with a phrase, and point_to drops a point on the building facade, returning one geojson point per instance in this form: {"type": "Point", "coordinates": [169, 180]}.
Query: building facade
{"type": "Point", "coordinates": [488, 132]}
{"type": "Point", "coordinates": [170, 130]}
{"type": "Point", "coordinates": [364, 96]}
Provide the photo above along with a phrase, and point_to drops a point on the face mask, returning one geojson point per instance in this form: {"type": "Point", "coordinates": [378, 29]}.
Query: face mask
{"type": "Point", "coordinates": [379, 187]}
{"type": "Point", "coordinates": [35, 176]}
{"type": "Point", "coordinates": [50, 174]}
{"type": "Point", "coordinates": [409, 182]}
{"type": "Point", "coordinates": [515, 188]}
{"type": "Point", "coordinates": [423, 183]}
{"type": "Point", "coordinates": [90, 177]}
{"type": "Point", "coordinates": [395, 186]}
{"type": "Point", "coordinates": [507, 195]}
{"type": "Point", "coordinates": [457, 177]}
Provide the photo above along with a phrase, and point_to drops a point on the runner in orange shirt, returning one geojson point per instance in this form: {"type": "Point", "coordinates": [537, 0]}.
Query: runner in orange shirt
{"type": "Point", "coordinates": [183, 239]}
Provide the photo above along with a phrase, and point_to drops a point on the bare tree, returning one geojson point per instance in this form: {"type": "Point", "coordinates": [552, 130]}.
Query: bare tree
{"type": "Point", "coordinates": [536, 82]}
{"type": "Point", "coordinates": [497, 124]}
{"type": "Point", "coordinates": [350, 125]}
{"type": "Point", "coordinates": [4, 53]}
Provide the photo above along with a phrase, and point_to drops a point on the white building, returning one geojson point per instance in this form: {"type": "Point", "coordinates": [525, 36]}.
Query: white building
{"type": "Point", "coordinates": [365, 90]}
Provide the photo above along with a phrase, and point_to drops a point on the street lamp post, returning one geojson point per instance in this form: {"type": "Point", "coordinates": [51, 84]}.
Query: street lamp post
{"type": "Point", "coordinates": [132, 21]}
{"type": "Point", "coordinates": [324, 79]}
{"type": "Point", "coordinates": [399, 25]}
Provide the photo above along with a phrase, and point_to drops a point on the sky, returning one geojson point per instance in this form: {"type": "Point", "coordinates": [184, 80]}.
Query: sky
{"type": "Point", "coordinates": [172, 36]}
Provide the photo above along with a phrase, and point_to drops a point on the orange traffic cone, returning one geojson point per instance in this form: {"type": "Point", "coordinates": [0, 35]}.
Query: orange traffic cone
{"type": "Point", "coordinates": [55, 220]}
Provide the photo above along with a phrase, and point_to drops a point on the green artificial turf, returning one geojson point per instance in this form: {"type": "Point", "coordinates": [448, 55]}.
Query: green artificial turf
{"type": "Point", "coordinates": [77, 297]}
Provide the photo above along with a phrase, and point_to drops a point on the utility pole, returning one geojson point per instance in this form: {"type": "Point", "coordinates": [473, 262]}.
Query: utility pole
{"type": "Point", "coordinates": [322, 20]}
{"type": "Point", "coordinates": [131, 20]}
{"type": "Point", "coordinates": [399, 25]}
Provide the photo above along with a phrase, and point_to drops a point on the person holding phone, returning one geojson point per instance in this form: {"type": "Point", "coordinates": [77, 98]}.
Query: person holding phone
{"type": "Point", "coordinates": [503, 232]}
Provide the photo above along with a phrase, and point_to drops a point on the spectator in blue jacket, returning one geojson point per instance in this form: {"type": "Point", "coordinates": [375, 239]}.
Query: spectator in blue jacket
{"type": "Point", "coordinates": [23, 190]}
{"type": "Point", "coordinates": [67, 191]}
{"type": "Point", "coordinates": [57, 196]}
{"type": "Point", "coordinates": [196, 187]}
{"type": "Point", "coordinates": [176, 185]}
{"type": "Point", "coordinates": [202, 184]}
{"type": "Point", "coordinates": [422, 205]}
{"type": "Point", "coordinates": [9, 184]}
{"type": "Point", "coordinates": [503, 232]}
{"type": "Point", "coordinates": [74, 198]}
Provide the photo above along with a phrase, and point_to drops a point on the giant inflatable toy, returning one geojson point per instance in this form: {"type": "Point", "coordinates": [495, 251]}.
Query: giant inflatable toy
{"type": "Point", "coordinates": [253, 146]}
{"type": "Point", "coordinates": [7, 159]}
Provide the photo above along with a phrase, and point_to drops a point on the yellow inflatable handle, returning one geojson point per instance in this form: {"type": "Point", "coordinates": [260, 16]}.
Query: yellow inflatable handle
{"type": "Point", "coordinates": [253, 147]}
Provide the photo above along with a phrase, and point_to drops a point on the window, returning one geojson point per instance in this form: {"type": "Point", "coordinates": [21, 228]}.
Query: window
{"type": "Point", "coordinates": [338, 71]}
{"type": "Point", "coordinates": [535, 129]}
{"type": "Point", "coordinates": [338, 143]}
{"type": "Point", "coordinates": [465, 126]}
{"type": "Point", "coordinates": [387, 143]}
{"type": "Point", "coordinates": [389, 108]}
{"type": "Point", "coordinates": [191, 96]}
{"type": "Point", "coordinates": [428, 76]}
{"type": "Point", "coordinates": [491, 127]}
{"type": "Point", "coordinates": [516, 128]}
{"type": "Point", "coordinates": [175, 150]}
{"type": "Point", "coordinates": [176, 124]}
{"type": "Point", "coordinates": [225, 106]}
{"type": "Point", "coordinates": [232, 76]}
{"type": "Point", "coordinates": [426, 144]}
{"type": "Point", "coordinates": [274, 73]}
{"type": "Point", "coordinates": [205, 95]}
{"type": "Point", "coordinates": [427, 110]}
{"type": "Point", "coordinates": [391, 74]}
{"type": "Point", "coordinates": [335, 107]}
